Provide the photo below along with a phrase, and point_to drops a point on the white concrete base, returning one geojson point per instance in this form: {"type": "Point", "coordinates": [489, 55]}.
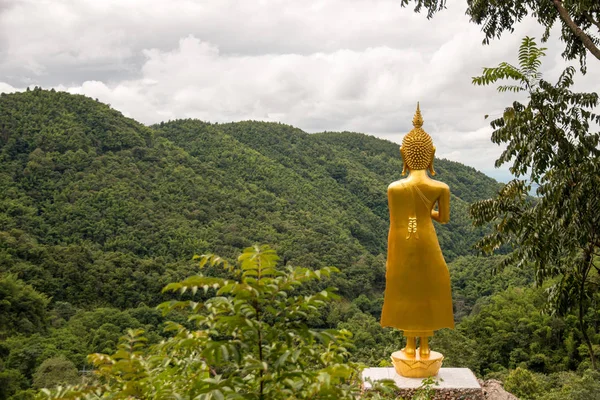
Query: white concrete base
{"type": "Point", "coordinates": [448, 378]}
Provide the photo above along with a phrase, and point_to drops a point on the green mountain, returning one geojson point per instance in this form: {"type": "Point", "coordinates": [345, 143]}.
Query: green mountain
{"type": "Point", "coordinates": [99, 212]}
{"type": "Point", "coordinates": [96, 208]}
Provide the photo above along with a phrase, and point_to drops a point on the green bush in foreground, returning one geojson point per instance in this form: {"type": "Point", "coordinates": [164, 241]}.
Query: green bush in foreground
{"type": "Point", "coordinates": [248, 340]}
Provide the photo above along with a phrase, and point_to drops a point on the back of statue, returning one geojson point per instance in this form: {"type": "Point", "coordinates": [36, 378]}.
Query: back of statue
{"type": "Point", "coordinates": [417, 298]}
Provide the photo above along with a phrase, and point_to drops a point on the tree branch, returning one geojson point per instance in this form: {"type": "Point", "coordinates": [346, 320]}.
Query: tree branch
{"type": "Point", "coordinates": [592, 20]}
{"type": "Point", "coordinates": [577, 31]}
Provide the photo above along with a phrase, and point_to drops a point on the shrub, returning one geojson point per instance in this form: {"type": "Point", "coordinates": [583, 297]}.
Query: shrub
{"type": "Point", "coordinates": [55, 371]}
{"type": "Point", "coordinates": [523, 384]}
{"type": "Point", "coordinates": [248, 339]}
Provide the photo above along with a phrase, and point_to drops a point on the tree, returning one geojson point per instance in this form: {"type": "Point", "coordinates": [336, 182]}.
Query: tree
{"type": "Point", "coordinates": [548, 142]}
{"type": "Point", "coordinates": [11, 381]}
{"type": "Point", "coordinates": [55, 371]}
{"type": "Point", "coordinates": [249, 340]}
{"type": "Point", "coordinates": [586, 387]}
{"type": "Point", "coordinates": [523, 383]}
{"type": "Point", "coordinates": [22, 309]}
{"type": "Point", "coordinates": [580, 20]}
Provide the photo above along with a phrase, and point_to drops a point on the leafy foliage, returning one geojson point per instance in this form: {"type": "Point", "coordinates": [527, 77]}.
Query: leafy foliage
{"type": "Point", "coordinates": [249, 340]}
{"type": "Point", "coordinates": [97, 213]}
{"type": "Point", "coordinates": [586, 387]}
{"type": "Point", "coordinates": [54, 372]}
{"type": "Point", "coordinates": [549, 139]}
{"type": "Point", "coordinates": [523, 383]}
{"type": "Point", "coordinates": [510, 332]}
{"type": "Point", "coordinates": [100, 227]}
{"type": "Point", "coordinates": [22, 309]}
{"type": "Point", "coordinates": [95, 221]}
{"type": "Point", "coordinates": [475, 279]}
{"type": "Point", "coordinates": [527, 74]}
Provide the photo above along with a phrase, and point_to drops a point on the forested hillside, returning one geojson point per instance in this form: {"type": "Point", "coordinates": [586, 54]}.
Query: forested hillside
{"type": "Point", "coordinates": [99, 212]}
{"type": "Point", "coordinates": [97, 209]}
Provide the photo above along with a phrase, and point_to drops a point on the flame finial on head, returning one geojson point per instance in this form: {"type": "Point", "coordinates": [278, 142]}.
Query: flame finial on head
{"type": "Point", "coordinates": [418, 118]}
{"type": "Point", "coordinates": [417, 147]}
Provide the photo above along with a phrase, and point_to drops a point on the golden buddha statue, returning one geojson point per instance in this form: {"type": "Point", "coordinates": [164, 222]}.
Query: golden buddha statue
{"type": "Point", "coordinates": [417, 298]}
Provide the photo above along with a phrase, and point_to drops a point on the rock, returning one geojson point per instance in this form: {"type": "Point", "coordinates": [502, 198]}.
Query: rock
{"type": "Point", "coordinates": [494, 390]}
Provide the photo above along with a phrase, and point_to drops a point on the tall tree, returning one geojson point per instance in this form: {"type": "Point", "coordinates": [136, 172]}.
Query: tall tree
{"type": "Point", "coordinates": [550, 145]}
{"type": "Point", "coordinates": [579, 19]}
{"type": "Point", "coordinates": [22, 308]}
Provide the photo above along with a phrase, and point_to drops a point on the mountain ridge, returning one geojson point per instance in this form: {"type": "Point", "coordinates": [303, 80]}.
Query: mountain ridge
{"type": "Point", "coordinates": [76, 174]}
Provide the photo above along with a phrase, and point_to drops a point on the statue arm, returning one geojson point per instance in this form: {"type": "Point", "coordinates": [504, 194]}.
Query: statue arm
{"type": "Point", "coordinates": [442, 214]}
{"type": "Point", "coordinates": [389, 196]}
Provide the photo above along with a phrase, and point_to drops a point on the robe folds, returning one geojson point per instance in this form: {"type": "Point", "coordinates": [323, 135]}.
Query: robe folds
{"type": "Point", "coordinates": [418, 297]}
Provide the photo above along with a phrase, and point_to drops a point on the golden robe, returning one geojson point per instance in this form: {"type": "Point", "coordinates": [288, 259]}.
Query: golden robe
{"type": "Point", "coordinates": [418, 297]}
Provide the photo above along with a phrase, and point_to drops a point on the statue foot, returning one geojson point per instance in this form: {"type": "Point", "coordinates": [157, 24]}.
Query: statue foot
{"type": "Point", "coordinates": [409, 351]}
{"type": "Point", "coordinates": [411, 346]}
{"type": "Point", "coordinates": [424, 347]}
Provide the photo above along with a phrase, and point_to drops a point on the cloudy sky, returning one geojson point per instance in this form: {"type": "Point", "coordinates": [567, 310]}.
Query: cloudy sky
{"type": "Point", "coordinates": [358, 65]}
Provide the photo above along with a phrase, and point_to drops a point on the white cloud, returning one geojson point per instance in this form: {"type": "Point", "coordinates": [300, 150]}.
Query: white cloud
{"type": "Point", "coordinates": [6, 88]}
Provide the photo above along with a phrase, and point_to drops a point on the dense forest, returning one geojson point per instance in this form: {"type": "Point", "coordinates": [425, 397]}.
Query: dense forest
{"type": "Point", "coordinates": [98, 213]}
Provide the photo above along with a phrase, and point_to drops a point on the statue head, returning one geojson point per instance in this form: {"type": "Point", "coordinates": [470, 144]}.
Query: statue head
{"type": "Point", "coordinates": [417, 147]}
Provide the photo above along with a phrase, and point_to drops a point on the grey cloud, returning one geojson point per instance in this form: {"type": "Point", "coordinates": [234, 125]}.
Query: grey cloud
{"type": "Point", "coordinates": [41, 37]}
